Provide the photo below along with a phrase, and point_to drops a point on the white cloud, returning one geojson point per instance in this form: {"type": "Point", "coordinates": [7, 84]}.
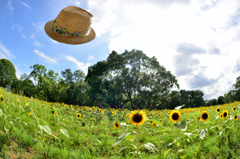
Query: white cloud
{"type": "Point", "coordinates": [54, 41]}
{"type": "Point", "coordinates": [77, 3]}
{"type": "Point", "coordinates": [90, 58]}
{"type": "Point", "coordinates": [157, 27]}
{"type": "Point", "coordinates": [35, 42]}
{"type": "Point", "coordinates": [47, 59]}
{"type": "Point", "coordinates": [25, 5]}
{"type": "Point", "coordinates": [4, 52]}
{"type": "Point", "coordinates": [80, 65]}
{"type": "Point", "coordinates": [18, 72]}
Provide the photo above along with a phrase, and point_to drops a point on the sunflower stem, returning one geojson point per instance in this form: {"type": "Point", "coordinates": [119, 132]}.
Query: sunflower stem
{"type": "Point", "coordinates": [137, 141]}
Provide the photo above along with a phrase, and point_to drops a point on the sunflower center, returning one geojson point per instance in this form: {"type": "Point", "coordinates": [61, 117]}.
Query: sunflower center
{"type": "Point", "coordinates": [204, 116]}
{"type": "Point", "coordinates": [116, 124]}
{"type": "Point", "coordinates": [224, 114]}
{"type": "Point", "coordinates": [235, 117]}
{"type": "Point", "coordinates": [137, 118]}
{"type": "Point", "coordinates": [218, 110]}
{"type": "Point", "coordinates": [175, 116]}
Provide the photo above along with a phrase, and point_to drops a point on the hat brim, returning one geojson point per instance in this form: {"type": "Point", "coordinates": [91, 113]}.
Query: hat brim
{"type": "Point", "coordinates": [67, 39]}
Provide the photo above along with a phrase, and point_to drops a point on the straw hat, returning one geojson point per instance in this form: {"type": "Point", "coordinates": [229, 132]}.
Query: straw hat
{"type": "Point", "coordinates": [72, 26]}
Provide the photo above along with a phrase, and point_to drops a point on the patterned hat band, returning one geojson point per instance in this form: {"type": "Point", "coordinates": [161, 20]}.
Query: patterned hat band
{"type": "Point", "coordinates": [63, 31]}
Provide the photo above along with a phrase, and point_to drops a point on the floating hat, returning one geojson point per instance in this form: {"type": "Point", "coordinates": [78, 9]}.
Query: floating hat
{"type": "Point", "coordinates": [72, 26]}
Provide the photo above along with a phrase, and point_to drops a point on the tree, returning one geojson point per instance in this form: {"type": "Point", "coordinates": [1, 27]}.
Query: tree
{"type": "Point", "coordinates": [136, 78]}
{"type": "Point", "coordinates": [220, 100]}
{"type": "Point", "coordinates": [7, 72]}
{"type": "Point", "coordinates": [237, 89]}
{"type": "Point", "coordinates": [39, 74]}
{"type": "Point", "coordinates": [27, 85]}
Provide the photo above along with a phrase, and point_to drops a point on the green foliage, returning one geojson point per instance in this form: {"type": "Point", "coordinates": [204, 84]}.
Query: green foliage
{"type": "Point", "coordinates": [7, 72]}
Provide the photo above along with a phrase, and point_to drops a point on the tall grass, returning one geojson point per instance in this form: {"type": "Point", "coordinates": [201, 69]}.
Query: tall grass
{"type": "Point", "coordinates": [31, 128]}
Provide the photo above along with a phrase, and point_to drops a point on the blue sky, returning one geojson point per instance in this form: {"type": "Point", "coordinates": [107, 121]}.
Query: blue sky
{"type": "Point", "coordinates": [197, 40]}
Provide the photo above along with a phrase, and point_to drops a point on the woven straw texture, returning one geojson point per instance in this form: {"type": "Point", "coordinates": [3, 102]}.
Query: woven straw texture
{"type": "Point", "coordinates": [75, 19]}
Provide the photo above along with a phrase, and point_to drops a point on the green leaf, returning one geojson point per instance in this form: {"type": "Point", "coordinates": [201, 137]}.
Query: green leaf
{"type": "Point", "coordinates": [181, 153]}
{"type": "Point", "coordinates": [130, 137]}
{"type": "Point", "coordinates": [124, 148]}
{"type": "Point", "coordinates": [6, 130]}
{"type": "Point", "coordinates": [166, 152]}
{"type": "Point", "coordinates": [149, 146]}
{"type": "Point", "coordinates": [166, 144]}
{"type": "Point", "coordinates": [179, 107]}
{"type": "Point", "coordinates": [1, 112]}
{"type": "Point", "coordinates": [167, 129]}
{"type": "Point", "coordinates": [99, 141]}
{"type": "Point", "coordinates": [120, 138]}
{"type": "Point", "coordinates": [155, 121]}
{"type": "Point", "coordinates": [202, 133]}
{"type": "Point", "coordinates": [189, 134]}
{"type": "Point", "coordinates": [47, 130]}
{"type": "Point", "coordinates": [219, 133]}
{"type": "Point", "coordinates": [64, 131]}
{"type": "Point", "coordinates": [182, 125]}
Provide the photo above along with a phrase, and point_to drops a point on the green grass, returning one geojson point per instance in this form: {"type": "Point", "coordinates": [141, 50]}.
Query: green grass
{"type": "Point", "coordinates": [45, 135]}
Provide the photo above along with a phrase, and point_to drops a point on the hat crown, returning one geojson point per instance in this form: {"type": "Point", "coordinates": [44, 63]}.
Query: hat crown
{"type": "Point", "coordinates": [75, 19]}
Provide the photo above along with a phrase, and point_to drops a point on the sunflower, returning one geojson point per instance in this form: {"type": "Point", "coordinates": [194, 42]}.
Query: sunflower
{"type": "Point", "coordinates": [138, 118]}
{"type": "Point", "coordinates": [221, 116]}
{"type": "Point", "coordinates": [42, 105]}
{"type": "Point", "coordinates": [116, 125]}
{"type": "Point", "coordinates": [128, 115]}
{"type": "Point", "coordinates": [175, 116]}
{"type": "Point", "coordinates": [235, 117]}
{"type": "Point", "coordinates": [160, 120]}
{"type": "Point", "coordinates": [33, 110]}
{"type": "Point", "coordinates": [78, 115]}
{"type": "Point", "coordinates": [153, 124]}
{"type": "Point", "coordinates": [101, 117]}
{"type": "Point", "coordinates": [225, 114]}
{"type": "Point", "coordinates": [234, 108]}
{"type": "Point", "coordinates": [29, 114]}
{"type": "Point", "coordinates": [1, 98]}
{"type": "Point", "coordinates": [53, 112]}
{"type": "Point", "coordinates": [218, 110]}
{"type": "Point", "coordinates": [100, 111]}
{"type": "Point", "coordinates": [204, 116]}
{"type": "Point", "coordinates": [159, 114]}
{"type": "Point", "coordinates": [198, 118]}
{"type": "Point", "coordinates": [18, 102]}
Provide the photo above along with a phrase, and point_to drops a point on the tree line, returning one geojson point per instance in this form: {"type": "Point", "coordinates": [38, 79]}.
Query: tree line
{"type": "Point", "coordinates": [129, 80]}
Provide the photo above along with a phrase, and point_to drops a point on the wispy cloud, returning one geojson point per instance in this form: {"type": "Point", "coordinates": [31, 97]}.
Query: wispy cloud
{"type": "Point", "coordinates": [38, 26]}
{"type": "Point", "coordinates": [90, 58]}
{"type": "Point", "coordinates": [4, 52]}
{"type": "Point", "coordinates": [10, 5]}
{"type": "Point", "coordinates": [35, 42]}
{"type": "Point", "coordinates": [47, 59]}
{"type": "Point", "coordinates": [80, 65]}
{"type": "Point", "coordinates": [19, 28]}
{"type": "Point", "coordinates": [26, 5]}
{"type": "Point", "coordinates": [25, 65]}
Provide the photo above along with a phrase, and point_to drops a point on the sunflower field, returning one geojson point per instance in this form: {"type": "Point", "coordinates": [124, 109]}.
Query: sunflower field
{"type": "Point", "coordinates": [31, 128]}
